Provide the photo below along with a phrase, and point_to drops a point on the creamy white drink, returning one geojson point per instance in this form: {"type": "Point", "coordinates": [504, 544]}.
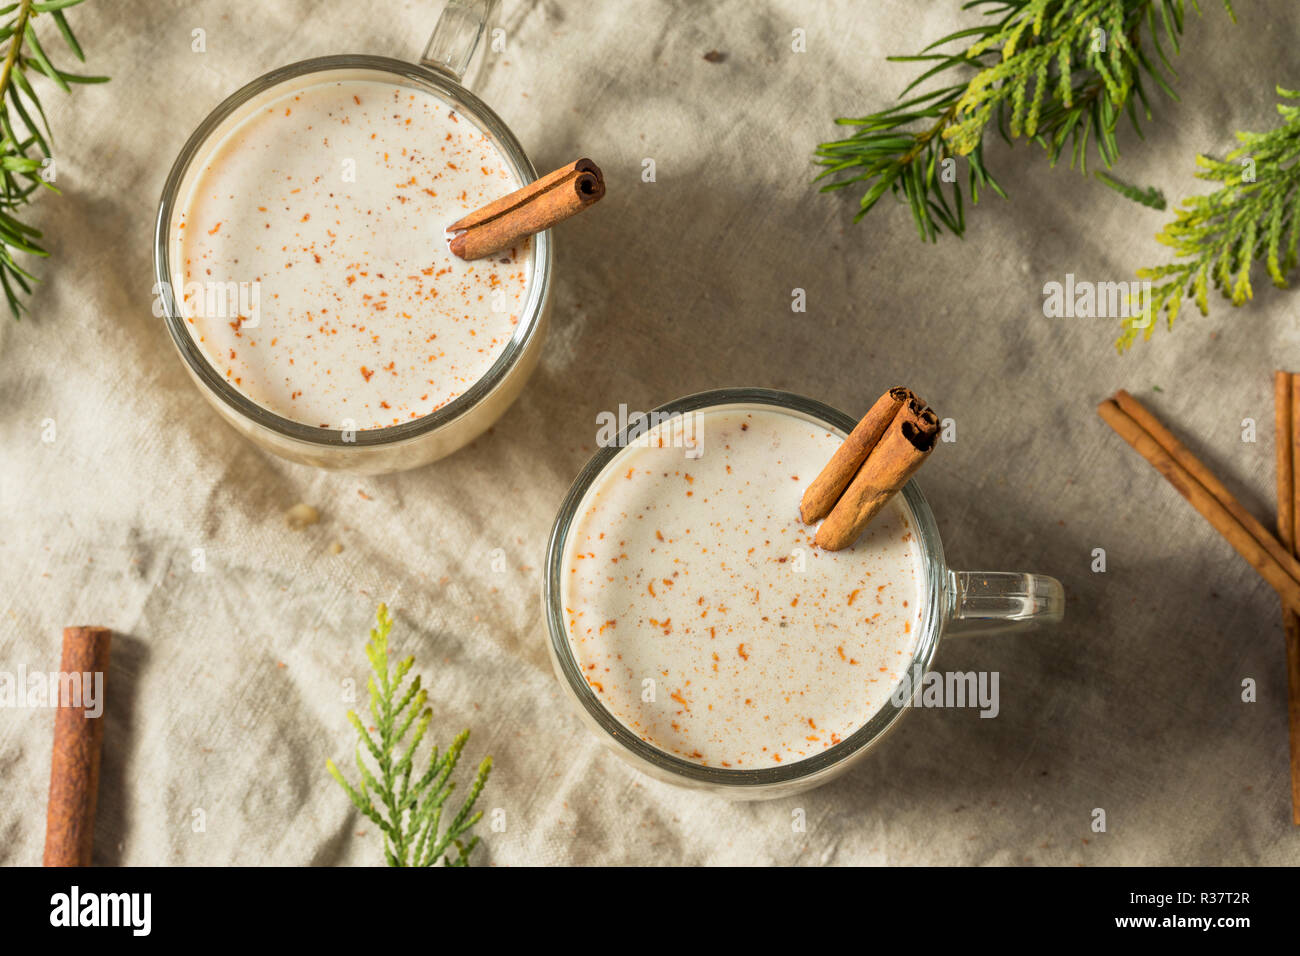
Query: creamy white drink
{"type": "Point", "coordinates": [702, 616]}
{"type": "Point", "coordinates": [330, 201]}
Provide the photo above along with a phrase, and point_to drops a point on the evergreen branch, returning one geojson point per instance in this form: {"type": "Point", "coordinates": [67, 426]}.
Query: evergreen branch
{"type": "Point", "coordinates": [409, 816]}
{"type": "Point", "coordinates": [25, 150]}
{"type": "Point", "coordinates": [1060, 73]}
{"type": "Point", "coordinates": [1253, 215]}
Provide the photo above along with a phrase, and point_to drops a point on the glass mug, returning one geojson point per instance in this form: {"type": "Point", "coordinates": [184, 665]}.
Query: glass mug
{"type": "Point", "coordinates": [957, 602]}
{"type": "Point", "coordinates": [409, 444]}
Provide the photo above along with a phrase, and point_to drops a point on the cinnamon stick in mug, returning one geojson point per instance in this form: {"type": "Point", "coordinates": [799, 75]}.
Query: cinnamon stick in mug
{"type": "Point", "coordinates": [903, 448]}
{"type": "Point", "coordinates": [503, 222]}
{"type": "Point", "coordinates": [826, 489]}
{"type": "Point", "coordinates": [74, 769]}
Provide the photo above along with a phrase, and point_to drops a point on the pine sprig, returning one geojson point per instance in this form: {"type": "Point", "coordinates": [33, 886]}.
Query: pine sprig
{"type": "Point", "coordinates": [1061, 73]}
{"type": "Point", "coordinates": [25, 138]}
{"type": "Point", "coordinates": [1151, 197]}
{"type": "Point", "coordinates": [408, 813]}
{"type": "Point", "coordinates": [1255, 214]}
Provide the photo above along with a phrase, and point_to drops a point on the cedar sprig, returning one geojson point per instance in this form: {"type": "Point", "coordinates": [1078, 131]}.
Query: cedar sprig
{"type": "Point", "coordinates": [409, 814]}
{"type": "Point", "coordinates": [1253, 215]}
{"type": "Point", "coordinates": [1061, 73]}
{"type": "Point", "coordinates": [25, 132]}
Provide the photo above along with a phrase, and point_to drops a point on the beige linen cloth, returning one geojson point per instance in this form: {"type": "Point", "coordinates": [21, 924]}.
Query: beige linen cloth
{"type": "Point", "coordinates": [226, 688]}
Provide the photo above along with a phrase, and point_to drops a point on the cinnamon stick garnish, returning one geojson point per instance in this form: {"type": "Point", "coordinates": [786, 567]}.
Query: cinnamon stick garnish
{"type": "Point", "coordinates": [74, 770]}
{"type": "Point", "coordinates": [1238, 527]}
{"type": "Point", "coordinates": [902, 449]}
{"type": "Point", "coordinates": [1286, 401]}
{"type": "Point", "coordinates": [503, 222]}
{"type": "Point", "coordinates": [827, 488]}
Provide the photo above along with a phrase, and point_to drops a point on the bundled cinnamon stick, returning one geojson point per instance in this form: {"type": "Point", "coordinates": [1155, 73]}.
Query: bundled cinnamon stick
{"type": "Point", "coordinates": [1286, 403]}
{"type": "Point", "coordinates": [74, 769]}
{"type": "Point", "coordinates": [877, 459]}
{"type": "Point", "coordinates": [822, 494]}
{"type": "Point", "coordinates": [541, 204]}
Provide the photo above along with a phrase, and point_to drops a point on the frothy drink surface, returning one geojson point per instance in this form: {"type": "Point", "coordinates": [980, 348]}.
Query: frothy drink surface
{"type": "Point", "coordinates": [333, 198]}
{"type": "Point", "coordinates": [686, 572]}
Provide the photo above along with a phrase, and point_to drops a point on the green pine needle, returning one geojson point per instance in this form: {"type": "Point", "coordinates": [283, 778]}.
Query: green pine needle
{"type": "Point", "coordinates": [1062, 73]}
{"type": "Point", "coordinates": [1150, 197]}
{"type": "Point", "coordinates": [1255, 214]}
{"type": "Point", "coordinates": [408, 813]}
{"type": "Point", "coordinates": [24, 138]}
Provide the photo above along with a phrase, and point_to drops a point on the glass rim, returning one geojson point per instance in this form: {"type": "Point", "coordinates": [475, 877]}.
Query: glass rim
{"type": "Point", "coordinates": [539, 282]}
{"type": "Point", "coordinates": [865, 736]}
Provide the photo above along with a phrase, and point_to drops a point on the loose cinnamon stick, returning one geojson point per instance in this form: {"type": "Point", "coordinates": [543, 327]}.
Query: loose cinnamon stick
{"type": "Point", "coordinates": [1295, 457]}
{"type": "Point", "coordinates": [1181, 454]}
{"type": "Point", "coordinates": [906, 443]}
{"type": "Point", "coordinates": [1286, 398]}
{"type": "Point", "coordinates": [1210, 508]}
{"type": "Point", "coordinates": [74, 770]}
{"type": "Point", "coordinates": [1283, 442]}
{"type": "Point", "coordinates": [826, 489]}
{"type": "Point", "coordinates": [502, 223]}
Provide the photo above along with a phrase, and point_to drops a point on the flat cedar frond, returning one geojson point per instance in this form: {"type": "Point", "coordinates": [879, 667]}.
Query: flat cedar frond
{"type": "Point", "coordinates": [408, 813]}
{"type": "Point", "coordinates": [1255, 214]}
{"type": "Point", "coordinates": [1058, 72]}
{"type": "Point", "coordinates": [25, 152]}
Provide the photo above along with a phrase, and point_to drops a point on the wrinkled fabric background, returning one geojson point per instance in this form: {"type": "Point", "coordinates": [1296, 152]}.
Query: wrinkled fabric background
{"type": "Point", "coordinates": [226, 686]}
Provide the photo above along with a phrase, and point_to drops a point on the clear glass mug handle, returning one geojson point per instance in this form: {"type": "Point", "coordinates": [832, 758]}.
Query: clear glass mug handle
{"type": "Point", "coordinates": [457, 35]}
{"type": "Point", "coordinates": [997, 602]}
